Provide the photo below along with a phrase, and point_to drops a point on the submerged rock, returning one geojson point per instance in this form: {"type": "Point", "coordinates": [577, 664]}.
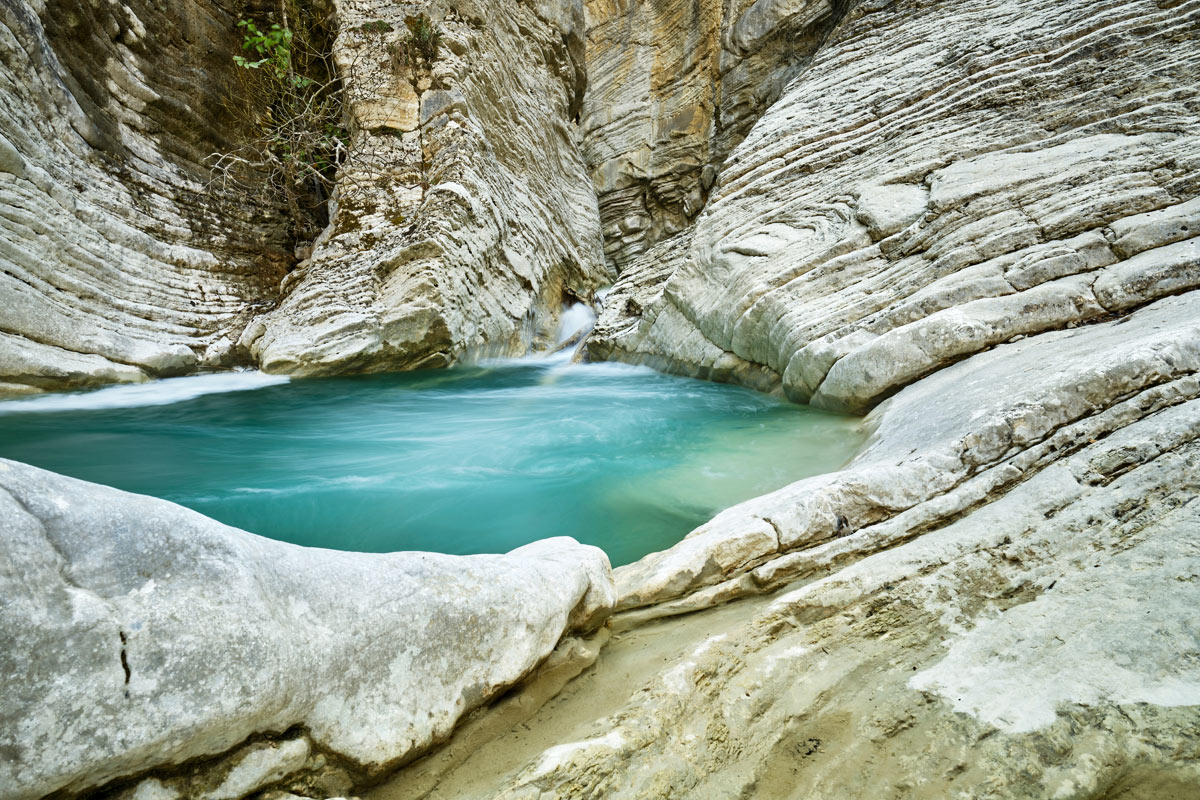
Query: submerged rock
{"type": "Point", "coordinates": [141, 635]}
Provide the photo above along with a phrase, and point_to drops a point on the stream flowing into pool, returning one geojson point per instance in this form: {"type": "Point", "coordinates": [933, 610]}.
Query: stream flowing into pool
{"type": "Point", "coordinates": [467, 460]}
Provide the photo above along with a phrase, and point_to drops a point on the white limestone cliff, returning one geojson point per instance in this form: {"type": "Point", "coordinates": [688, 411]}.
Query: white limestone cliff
{"type": "Point", "coordinates": [975, 222]}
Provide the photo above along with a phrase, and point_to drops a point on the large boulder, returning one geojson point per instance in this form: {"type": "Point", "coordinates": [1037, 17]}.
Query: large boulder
{"type": "Point", "coordinates": [140, 636]}
{"type": "Point", "coordinates": [939, 179]}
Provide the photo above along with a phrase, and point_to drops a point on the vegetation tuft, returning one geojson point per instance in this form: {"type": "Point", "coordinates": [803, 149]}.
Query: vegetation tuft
{"type": "Point", "coordinates": [375, 26]}
{"type": "Point", "coordinates": [420, 47]}
{"type": "Point", "coordinates": [290, 100]}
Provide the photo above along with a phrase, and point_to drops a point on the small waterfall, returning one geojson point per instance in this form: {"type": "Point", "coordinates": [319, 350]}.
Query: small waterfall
{"type": "Point", "coordinates": [575, 324]}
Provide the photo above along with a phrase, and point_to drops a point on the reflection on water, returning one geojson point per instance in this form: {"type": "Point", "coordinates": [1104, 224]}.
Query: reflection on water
{"type": "Point", "coordinates": [470, 460]}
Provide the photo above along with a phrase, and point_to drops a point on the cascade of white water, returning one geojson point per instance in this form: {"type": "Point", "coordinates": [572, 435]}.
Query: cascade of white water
{"type": "Point", "coordinates": [576, 322]}
{"type": "Point", "coordinates": [573, 327]}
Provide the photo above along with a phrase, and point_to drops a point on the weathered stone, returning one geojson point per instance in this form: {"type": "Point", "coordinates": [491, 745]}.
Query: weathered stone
{"type": "Point", "coordinates": [994, 599]}
{"type": "Point", "coordinates": [942, 212]}
{"type": "Point", "coordinates": [141, 635]}
{"type": "Point", "coordinates": [932, 184]}
{"type": "Point", "coordinates": [672, 87]}
{"type": "Point", "coordinates": [119, 258]}
{"type": "Point", "coordinates": [462, 224]}
{"type": "Point", "coordinates": [935, 439]}
{"type": "Point", "coordinates": [459, 234]}
{"type": "Point", "coordinates": [260, 767]}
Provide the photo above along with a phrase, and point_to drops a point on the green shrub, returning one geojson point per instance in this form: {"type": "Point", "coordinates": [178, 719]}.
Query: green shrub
{"type": "Point", "coordinates": [420, 47]}
{"type": "Point", "coordinates": [375, 26]}
{"type": "Point", "coordinates": [290, 102]}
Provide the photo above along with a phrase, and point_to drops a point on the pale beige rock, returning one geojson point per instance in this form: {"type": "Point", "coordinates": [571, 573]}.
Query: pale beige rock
{"type": "Point", "coordinates": [954, 439]}
{"type": "Point", "coordinates": [260, 767]}
{"type": "Point", "coordinates": [466, 220]}
{"type": "Point", "coordinates": [463, 224]}
{"type": "Point", "coordinates": [673, 85]}
{"type": "Point", "coordinates": [904, 204]}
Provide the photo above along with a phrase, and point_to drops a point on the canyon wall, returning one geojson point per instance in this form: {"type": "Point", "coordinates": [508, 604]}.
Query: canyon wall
{"type": "Point", "coordinates": [465, 221]}
{"type": "Point", "coordinates": [119, 260]}
{"type": "Point", "coordinates": [973, 221]}
{"type": "Point", "coordinates": [462, 224]}
{"type": "Point", "coordinates": [673, 86]}
{"type": "Point", "coordinates": [933, 184]}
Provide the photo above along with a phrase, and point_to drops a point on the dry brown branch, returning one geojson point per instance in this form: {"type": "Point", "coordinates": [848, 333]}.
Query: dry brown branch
{"type": "Point", "coordinates": [290, 99]}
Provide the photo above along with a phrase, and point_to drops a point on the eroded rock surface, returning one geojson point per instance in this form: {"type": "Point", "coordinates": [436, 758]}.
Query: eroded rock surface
{"type": "Point", "coordinates": [140, 635]}
{"type": "Point", "coordinates": [466, 219]}
{"type": "Point", "coordinates": [118, 260]}
{"type": "Point", "coordinates": [935, 182]}
{"type": "Point", "coordinates": [464, 222]}
{"type": "Point", "coordinates": [673, 85]}
{"type": "Point", "coordinates": [977, 219]}
{"type": "Point", "coordinates": [995, 599]}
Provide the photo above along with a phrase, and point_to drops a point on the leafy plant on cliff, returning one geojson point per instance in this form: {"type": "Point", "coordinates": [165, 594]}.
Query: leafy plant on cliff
{"type": "Point", "coordinates": [420, 47]}
{"type": "Point", "coordinates": [290, 101]}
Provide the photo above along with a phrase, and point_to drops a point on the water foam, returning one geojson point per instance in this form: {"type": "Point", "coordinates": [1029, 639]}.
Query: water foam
{"type": "Point", "coordinates": [155, 393]}
{"type": "Point", "coordinates": [576, 321]}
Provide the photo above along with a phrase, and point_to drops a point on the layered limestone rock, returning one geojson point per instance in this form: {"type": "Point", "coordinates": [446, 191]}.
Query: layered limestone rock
{"type": "Point", "coordinates": [462, 225]}
{"type": "Point", "coordinates": [950, 443]}
{"type": "Point", "coordinates": [936, 181]}
{"type": "Point", "coordinates": [118, 260]}
{"type": "Point", "coordinates": [995, 599]}
{"type": "Point", "coordinates": [978, 219]}
{"type": "Point", "coordinates": [465, 220]}
{"type": "Point", "coordinates": [142, 638]}
{"type": "Point", "coordinates": [673, 85]}
{"type": "Point", "coordinates": [953, 207]}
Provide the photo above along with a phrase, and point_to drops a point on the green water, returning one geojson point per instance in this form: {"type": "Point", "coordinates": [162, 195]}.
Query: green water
{"type": "Point", "coordinates": [471, 460]}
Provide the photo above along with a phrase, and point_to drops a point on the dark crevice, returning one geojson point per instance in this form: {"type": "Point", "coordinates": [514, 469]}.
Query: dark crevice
{"type": "Point", "coordinates": [200, 764]}
{"type": "Point", "coordinates": [125, 659]}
